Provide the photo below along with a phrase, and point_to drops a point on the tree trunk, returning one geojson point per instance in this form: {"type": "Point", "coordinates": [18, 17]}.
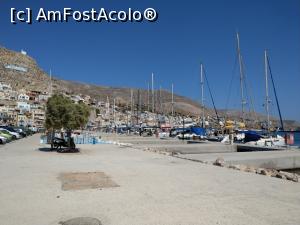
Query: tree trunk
{"type": "Point", "coordinates": [52, 138]}
{"type": "Point", "coordinates": [71, 143]}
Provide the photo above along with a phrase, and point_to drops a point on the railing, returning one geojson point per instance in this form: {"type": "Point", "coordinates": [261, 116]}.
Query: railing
{"type": "Point", "coordinates": [84, 138]}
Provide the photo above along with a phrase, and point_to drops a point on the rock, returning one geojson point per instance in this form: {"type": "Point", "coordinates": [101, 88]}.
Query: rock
{"type": "Point", "coordinates": [243, 168]}
{"type": "Point", "coordinates": [259, 170]}
{"type": "Point", "coordinates": [82, 221]}
{"type": "Point", "coordinates": [274, 173]}
{"type": "Point", "coordinates": [281, 176]}
{"type": "Point", "coordinates": [289, 176]}
{"type": "Point", "coordinates": [219, 162]}
{"type": "Point", "coordinates": [235, 167]}
{"type": "Point", "coordinates": [266, 172]}
{"type": "Point", "coordinates": [250, 169]}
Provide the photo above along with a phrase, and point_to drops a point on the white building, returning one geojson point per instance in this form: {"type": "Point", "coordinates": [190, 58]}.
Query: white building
{"type": "Point", "coordinates": [77, 98]}
{"type": "Point", "coordinates": [43, 97]}
{"type": "Point", "coordinates": [5, 87]}
{"type": "Point", "coordinates": [23, 106]}
{"type": "Point", "coordinates": [23, 97]}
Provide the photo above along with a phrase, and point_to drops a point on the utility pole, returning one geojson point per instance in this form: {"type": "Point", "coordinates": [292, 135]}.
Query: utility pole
{"type": "Point", "coordinates": [243, 102]}
{"type": "Point", "coordinates": [267, 92]}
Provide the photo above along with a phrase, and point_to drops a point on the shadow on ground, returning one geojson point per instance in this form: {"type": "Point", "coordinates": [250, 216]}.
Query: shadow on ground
{"type": "Point", "coordinates": [63, 150]}
{"type": "Point", "coordinates": [45, 149]}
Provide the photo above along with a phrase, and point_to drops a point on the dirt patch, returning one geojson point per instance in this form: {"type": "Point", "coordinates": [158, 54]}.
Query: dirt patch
{"type": "Point", "coordinates": [86, 180]}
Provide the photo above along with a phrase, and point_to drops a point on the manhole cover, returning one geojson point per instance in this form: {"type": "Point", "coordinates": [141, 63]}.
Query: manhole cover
{"type": "Point", "coordinates": [82, 221]}
{"type": "Point", "coordinates": [87, 180]}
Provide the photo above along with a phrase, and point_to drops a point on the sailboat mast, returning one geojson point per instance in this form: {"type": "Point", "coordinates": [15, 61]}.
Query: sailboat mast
{"type": "Point", "coordinates": [50, 82]}
{"type": "Point", "coordinates": [138, 105]}
{"type": "Point", "coordinates": [152, 91]}
{"type": "Point", "coordinates": [267, 91]}
{"type": "Point", "coordinates": [202, 92]}
{"type": "Point", "coordinates": [275, 93]}
{"type": "Point", "coordinates": [172, 99]}
{"type": "Point", "coordinates": [160, 100]}
{"type": "Point", "coordinates": [131, 108]}
{"type": "Point", "coordinates": [114, 112]}
{"type": "Point", "coordinates": [241, 76]}
{"type": "Point", "coordinates": [148, 97]}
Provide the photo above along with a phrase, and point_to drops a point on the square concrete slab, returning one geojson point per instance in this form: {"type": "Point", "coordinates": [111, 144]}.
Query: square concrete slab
{"type": "Point", "coordinates": [85, 180]}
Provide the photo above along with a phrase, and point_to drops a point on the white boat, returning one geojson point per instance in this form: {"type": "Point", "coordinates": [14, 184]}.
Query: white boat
{"type": "Point", "coordinates": [269, 141]}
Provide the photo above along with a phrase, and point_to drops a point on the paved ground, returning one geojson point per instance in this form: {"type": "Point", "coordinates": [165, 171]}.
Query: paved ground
{"type": "Point", "coordinates": [153, 189]}
{"type": "Point", "coordinates": [171, 144]}
{"type": "Point", "coordinates": [280, 160]}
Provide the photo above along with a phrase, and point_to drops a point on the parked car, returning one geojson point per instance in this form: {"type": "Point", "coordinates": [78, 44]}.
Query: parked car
{"type": "Point", "coordinates": [25, 130]}
{"type": "Point", "coordinates": [14, 130]}
{"type": "Point", "coordinates": [7, 135]}
{"type": "Point", "coordinates": [33, 129]}
{"type": "Point", "coordinates": [3, 140]}
{"type": "Point", "coordinates": [14, 134]}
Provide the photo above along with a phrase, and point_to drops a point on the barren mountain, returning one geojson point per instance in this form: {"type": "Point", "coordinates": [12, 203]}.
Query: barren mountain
{"type": "Point", "coordinates": [22, 72]}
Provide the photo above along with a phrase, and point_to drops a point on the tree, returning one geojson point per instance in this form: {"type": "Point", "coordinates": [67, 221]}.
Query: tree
{"type": "Point", "coordinates": [61, 113]}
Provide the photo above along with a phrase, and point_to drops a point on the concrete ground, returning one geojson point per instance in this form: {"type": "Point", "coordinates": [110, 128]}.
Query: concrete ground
{"type": "Point", "coordinates": [280, 160]}
{"type": "Point", "coordinates": [154, 189]}
{"type": "Point", "coordinates": [170, 144]}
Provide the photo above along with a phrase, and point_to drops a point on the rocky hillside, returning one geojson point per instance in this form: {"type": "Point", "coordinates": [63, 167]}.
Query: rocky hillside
{"type": "Point", "coordinates": [23, 72]}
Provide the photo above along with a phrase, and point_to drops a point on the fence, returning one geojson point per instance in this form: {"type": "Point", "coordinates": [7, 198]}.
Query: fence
{"type": "Point", "coordinates": [84, 138]}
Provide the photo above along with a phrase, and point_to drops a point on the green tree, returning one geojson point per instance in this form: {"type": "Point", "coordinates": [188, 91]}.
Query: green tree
{"type": "Point", "coordinates": [61, 113]}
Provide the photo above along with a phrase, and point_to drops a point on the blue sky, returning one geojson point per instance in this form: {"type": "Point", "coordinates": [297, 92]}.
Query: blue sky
{"type": "Point", "coordinates": [185, 34]}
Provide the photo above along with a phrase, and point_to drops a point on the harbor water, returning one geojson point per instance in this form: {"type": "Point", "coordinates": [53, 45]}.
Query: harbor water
{"type": "Point", "coordinates": [296, 137]}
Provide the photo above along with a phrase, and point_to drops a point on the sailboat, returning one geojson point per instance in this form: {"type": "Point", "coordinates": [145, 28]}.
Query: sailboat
{"type": "Point", "coordinates": [200, 131]}
{"type": "Point", "coordinates": [269, 140]}
{"type": "Point", "coordinates": [242, 134]}
{"type": "Point", "coordinates": [237, 129]}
